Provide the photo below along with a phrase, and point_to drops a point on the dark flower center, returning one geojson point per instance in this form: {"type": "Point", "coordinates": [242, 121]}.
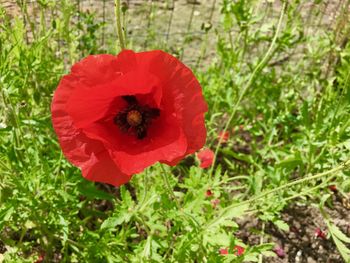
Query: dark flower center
{"type": "Point", "coordinates": [135, 118]}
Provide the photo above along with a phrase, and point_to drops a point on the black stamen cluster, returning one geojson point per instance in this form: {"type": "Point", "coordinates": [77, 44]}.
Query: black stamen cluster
{"type": "Point", "coordinates": [146, 112]}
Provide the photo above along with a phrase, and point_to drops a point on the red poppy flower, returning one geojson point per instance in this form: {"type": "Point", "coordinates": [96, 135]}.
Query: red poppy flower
{"type": "Point", "coordinates": [40, 258]}
{"type": "Point", "coordinates": [279, 252]}
{"type": "Point", "coordinates": [238, 250]}
{"type": "Point", "coordinates": [208, 193]}
{"type": "Point", "coordinates": [116, 115]}
{"type": "Point", "coordinates": [206, 158]}
{"type": "Point", "coordinates": [333, 188]}
{"type": "Point", "coordinates": [215, 202]}
{"type": "Point", "coordinates": [223, 251]}
{"type": "Point", "coordinates": [223, 136]}
{"type": "Point", "coordinates": [320, 234]}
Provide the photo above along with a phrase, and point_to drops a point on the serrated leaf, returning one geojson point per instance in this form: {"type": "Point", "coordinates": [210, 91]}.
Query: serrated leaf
{"type": "Point", "coordinates": [264, 247]}
{"type": "Point", "coordinates": [251, 258]}
{"type": "Point", "coordinates": [339, 234]}
{"type": "Point", "coordinates": [112, 222]}
{"type": "Point", "coordinates": [147, 249]}
{"type": "Point", "coordinates": [269, 254]}
{"type": "Point", "coordinates": [219, 239]}
{"type": "Point", "coordinates": [281, 225]}
{"type": "Point", "coordinates": [324, 198]}
{"type": "Point", "coordinates": [229, 213]}
{"type": "Point", "coordinates": [89, 190]}
{"type": "Point", "coordinates": [5, 216]}
{"type": "Point", "coordinates": [65, 228]}
{"type": "Point", "coordinates": [343, 250]}
{"type": "Point", "coordinates": [290, 162]}
{"type": "Point", "coordinates": [126, 196]}
{"type": "Point", "coordinates": [194, 247]}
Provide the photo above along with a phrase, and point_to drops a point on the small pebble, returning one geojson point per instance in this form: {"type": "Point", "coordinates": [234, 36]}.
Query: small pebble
{"type": "Point", "coordinates": [298, 256]}
{"type": "Point", "coordinates": [311, 260]}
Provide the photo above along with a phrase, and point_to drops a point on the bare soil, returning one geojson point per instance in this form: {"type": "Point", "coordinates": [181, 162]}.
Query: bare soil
{"type": "Point", "coordinates": [301, 244]}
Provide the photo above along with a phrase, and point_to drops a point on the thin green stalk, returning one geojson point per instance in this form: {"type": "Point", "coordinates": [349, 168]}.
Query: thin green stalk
{"type": "Point", "coordinates": [4, 165]}
{"type": "Point", "coordinates": [262, 241]}
{"type": "Point", "coordinates": [336, 237]}
{"type": "Point", "coordinates": [170, 21]}
{"type": "Point", "coordinates": [168, 186]}
{"type": "Point", "coordinates": [250, 81]}
{"type": "Point", "coordinates": [296, 182]}
{"type": "Point", "coordinates": [205, 42]}
{"type": "Point", "coordinates": [118, 18]}
{"type": "Point", "coordinates": [149, 22]}
{"type": "Point", "coordinates": [104, 21]}
{"type": "Point", "coordinates": [187, 32]}
{"type": "Point", "coordinates": [140, 218]}
{"type": "Point", "coordinates": [303, 193]}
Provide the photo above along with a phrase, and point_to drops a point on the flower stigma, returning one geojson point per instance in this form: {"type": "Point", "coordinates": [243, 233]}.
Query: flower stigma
{"type": "Point", "coordinates": [135, 118]}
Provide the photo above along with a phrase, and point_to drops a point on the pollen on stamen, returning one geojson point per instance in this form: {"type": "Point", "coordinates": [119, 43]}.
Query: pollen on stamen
{"type": "Point", "coordinates": [134, 118]}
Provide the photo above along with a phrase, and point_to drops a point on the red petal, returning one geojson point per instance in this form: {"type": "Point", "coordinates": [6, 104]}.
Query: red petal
{"type": "Point", "coordinates": [104, 170]}
{"type": "Point", "coordinates": [99, 69]}
{"type": "Point", "coordinates": [90, 155]}
{"type": "Point", "coordinates": [239, 251]}
{"type": "Point", "coordinates": [164, 142]}
{"type": "Point", "coordinates": [206, 158]}
{"type": "Point", "coordinates": [95, 70]}
{"type": "Point", "coordinates": [208, 193]}
{"type": "Point", "coordinates": [87, 105]}
{"type": "Point", "coordinates": [75, 145]}
{"type": "Point", "coordinates": [223, 251]}
{"type": "Point", "coordinates": [223, 136]}
{"type": "Point", "coordinates": [181, 93]}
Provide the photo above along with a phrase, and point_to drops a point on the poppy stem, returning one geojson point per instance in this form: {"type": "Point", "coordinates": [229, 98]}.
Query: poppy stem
{"type": "Point", "coordinates": [333, 171]}
{"type": "Point", "coordinates": [259, 67]}
{"type": "Point", "coordinates": [168, 186]}
{"type": "Point", "coordinates": [117, 9]}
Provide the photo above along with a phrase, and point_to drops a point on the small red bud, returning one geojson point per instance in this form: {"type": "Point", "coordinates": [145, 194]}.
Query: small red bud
{"type": "Point", "coordinates": [333, 188]}
{"type": "Point", "coordinates": [40, 258]}
{"type": "Point", "coordinates": [238, 250]}
{"type": "Point", "coordinates": [223, 251]}
{"type": "Point", "coordinates": [319, 233]}
{"type": "Point", "coordinates": [279, 252]}
{"type": "Point", "coordinates": [223, 136]}
{"type": "Point", "coordinates": [208, 193]}
{"type": "Point", "coordinates": [206, 158]}
{"type": "Point", "coordinates": [215, 202]}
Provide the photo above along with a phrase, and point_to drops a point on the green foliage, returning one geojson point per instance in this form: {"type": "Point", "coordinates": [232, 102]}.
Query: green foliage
{"type": "Point", "coordinates": [292, 122]}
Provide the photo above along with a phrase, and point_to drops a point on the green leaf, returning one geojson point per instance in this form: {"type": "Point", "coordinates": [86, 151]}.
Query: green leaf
{"type": "Point", "coordinates": [5, 216]}
{"type": "Point", "coordinates": [65, 228]}
{"type": "Point", "coordinates": [340, 235]}
{"type": "Point", "coordinates": [126, 196]}
{"type": "Point", "coordinates": [323, 200]}
{"type": "Point", "coordinates": [264, 247]}
{"type": "Point", "coordinates": [290, 162]}
{"type": "Point", "coordinates": [305, 114]}
{"type": "Point", "coordinates": [343, 250]}
{"type": "Point", "coordinates": [112, 222]}
{"type": "Point", "coordinates": [218, 239]}
{"type": "Point", "coordinates": [229, 213]}
{"type": "Point", "coordinates": [147, 249]}
{"type": "Point", "coordinates": [89, 190]}
{"type": "Point", "coordinates": [269, 254]}
{"type": "Point", "coordinates": [281, 225]}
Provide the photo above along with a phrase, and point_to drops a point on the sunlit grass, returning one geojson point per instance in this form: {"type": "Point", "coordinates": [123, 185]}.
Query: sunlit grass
{"type": "Point", "coordinates": [290, 125]}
